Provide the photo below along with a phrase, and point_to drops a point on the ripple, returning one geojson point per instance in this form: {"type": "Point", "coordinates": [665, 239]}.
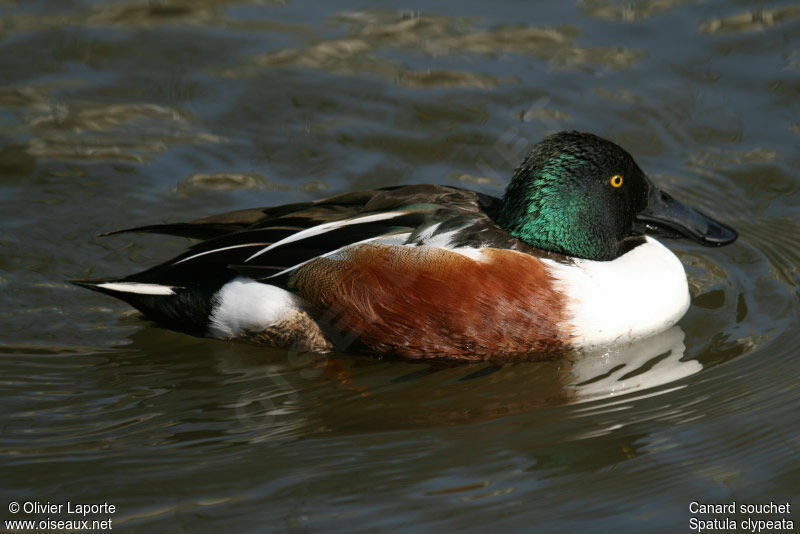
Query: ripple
{"type": "Point", "coordinates": [750, 21]}
{"type": "Point", "coordinates": [438, 36]}
{"type": "Point", "coordinates": [629, 11]}
{"type": "Point", "coordinates": [778, 239]}
{"type": "Point", "coordinates": [131, 14]}
{"type": "Point", "coordinates": [227, 181]}
{"type": "Point", "coordinates": [116, 132]}
{"type": "Point", "coordinates": [54, 350]}
{"type": "Point", "coordinates": [353, 56]}
{"type": "Point", "coordinates": [793, 63]}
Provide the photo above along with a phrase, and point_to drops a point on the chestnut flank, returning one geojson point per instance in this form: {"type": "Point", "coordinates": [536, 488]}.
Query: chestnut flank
{"type": "Point", "coordinates": [430, 302]}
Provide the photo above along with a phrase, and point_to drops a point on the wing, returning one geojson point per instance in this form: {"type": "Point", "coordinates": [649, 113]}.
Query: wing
{"type": "Point", "coordinates": [304, 214]}
{"type": "Point", "coordinates": [270, 243]}
{"type": "Point", "coordinates": [214, 226]}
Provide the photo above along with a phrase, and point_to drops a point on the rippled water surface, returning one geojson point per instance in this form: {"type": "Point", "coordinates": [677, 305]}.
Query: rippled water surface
{"type": "Point", "coordinates": [120, 113]}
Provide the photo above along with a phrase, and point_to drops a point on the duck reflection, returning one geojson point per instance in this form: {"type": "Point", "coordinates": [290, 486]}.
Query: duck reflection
{"type": "Point", "coordinates": [636, 366]}
{"type": "Point", "coordinates": [348, 394]}
{"type": "Point", "coordinates": [567, 412]}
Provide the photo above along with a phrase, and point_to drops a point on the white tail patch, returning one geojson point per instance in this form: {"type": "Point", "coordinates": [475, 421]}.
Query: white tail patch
{"type": "Point", "coordinates": [244, 305]}
{"type": "Point", "coordinates": [327, 227]}
{"type": "Point", "coordinates": [138, 288]}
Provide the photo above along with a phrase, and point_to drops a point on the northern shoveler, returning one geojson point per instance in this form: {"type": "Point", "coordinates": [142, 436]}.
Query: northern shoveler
{"type": "Point", "coordinates": [565, 260]}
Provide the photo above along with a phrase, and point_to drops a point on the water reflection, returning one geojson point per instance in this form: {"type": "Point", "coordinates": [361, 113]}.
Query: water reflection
{"type": "Point", "coordinates": [366, 395]}
{"type": "Point", "coordinates": [264, 395]}
{"type": "Point", "coordinates": [637, 366]}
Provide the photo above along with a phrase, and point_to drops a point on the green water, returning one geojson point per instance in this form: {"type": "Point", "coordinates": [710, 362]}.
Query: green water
{"type": "Point", "coordinates": [120, 113]}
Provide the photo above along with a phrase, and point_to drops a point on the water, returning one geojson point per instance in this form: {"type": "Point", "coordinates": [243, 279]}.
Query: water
{"type": "Point", "coordinates": [114, 114]}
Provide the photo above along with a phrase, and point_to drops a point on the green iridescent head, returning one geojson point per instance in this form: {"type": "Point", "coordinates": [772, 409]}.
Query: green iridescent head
{"type": "Point", "coordinates": [582, 196]}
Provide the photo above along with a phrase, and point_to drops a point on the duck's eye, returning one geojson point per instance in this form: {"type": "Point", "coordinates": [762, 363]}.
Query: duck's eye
{"type": "Point", "coordinates": [616, 180]}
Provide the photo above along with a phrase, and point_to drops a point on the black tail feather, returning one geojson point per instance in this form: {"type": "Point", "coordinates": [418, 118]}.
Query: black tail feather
{"type": "Point", "coordinates": [184, 309]}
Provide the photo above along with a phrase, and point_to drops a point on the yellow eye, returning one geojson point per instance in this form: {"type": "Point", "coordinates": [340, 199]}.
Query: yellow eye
{"type": "Point", "coordinates": [616, 181]}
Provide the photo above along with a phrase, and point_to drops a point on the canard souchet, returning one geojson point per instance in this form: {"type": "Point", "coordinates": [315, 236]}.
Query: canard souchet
{"type": "Point", "coordinates": [566, 259]}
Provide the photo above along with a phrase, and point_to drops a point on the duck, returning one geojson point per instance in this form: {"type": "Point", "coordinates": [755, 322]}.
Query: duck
{"type": "Point", "coordinates": [567, 259]}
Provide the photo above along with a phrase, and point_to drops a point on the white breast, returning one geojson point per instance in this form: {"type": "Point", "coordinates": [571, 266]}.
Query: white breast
{"type": "Point", "coordinates": [636, 295]}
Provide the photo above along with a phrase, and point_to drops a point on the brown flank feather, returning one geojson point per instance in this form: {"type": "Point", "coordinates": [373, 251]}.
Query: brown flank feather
{"type": "Point", "coordinates": [430, 302]}
{"type": "Point", "coordinates": [297, 331]}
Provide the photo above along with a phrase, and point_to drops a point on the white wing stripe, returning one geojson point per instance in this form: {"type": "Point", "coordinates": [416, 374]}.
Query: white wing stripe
{"type": "Point", "coordinates": [390, 239]}
{"type": "Point", "coordinates": [219, 250]}
{"type": "Point", "coordinates": [327, 227]}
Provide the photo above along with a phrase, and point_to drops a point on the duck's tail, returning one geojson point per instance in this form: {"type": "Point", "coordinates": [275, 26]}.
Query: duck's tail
{"type": "Point", "coordinates": [180, 308]}
{"type": "Point", "coordinates": [123, 288]}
